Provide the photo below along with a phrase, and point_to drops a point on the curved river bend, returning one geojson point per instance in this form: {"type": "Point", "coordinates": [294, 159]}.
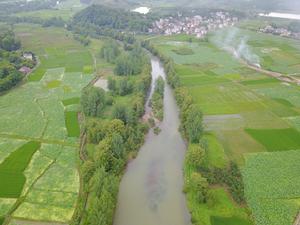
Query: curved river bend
{"type": "Point", "coordinates": [151, 189]}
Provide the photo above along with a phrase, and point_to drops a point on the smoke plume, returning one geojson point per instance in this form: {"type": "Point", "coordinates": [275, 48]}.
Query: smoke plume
{"type": "Point", "coordinates": [236, 43]}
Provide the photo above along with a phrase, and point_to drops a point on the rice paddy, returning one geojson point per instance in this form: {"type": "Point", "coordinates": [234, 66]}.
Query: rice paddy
{"type": "Point", "coordinates": [249, 118]}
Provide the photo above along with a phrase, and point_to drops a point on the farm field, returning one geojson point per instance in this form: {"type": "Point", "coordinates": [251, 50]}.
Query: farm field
{"type": "Point", "coordinates": [247, 115]}
{"type": "Point", "coordinates": [39, 129]}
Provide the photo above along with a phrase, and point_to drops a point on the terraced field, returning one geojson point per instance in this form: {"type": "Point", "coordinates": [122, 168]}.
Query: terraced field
{"type": "Point", "coordinates": [246, 114]}
{"type": "Point", "coordinates": [39, 129]}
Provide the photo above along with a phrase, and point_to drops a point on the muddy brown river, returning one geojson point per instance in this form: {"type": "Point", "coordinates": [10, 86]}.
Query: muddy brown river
{"type": "Point", "coordinates": [151, 188]}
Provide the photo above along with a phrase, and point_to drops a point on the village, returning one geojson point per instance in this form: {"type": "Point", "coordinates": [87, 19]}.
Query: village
{"type": "Point", "coordinates": [195, 25]}
{"type": "Point", "coordinates": [281, 31]}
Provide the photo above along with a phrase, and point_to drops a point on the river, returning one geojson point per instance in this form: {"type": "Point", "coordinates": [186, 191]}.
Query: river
{"type": "Point", "coordinates": [151, 189]}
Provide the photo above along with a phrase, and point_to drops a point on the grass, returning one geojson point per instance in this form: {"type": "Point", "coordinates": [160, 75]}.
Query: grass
{"type": "Point", "coordinates": [216, 154]}
{"type": "Point", "coordinates": [183, 51]}
{"type": "Point", "coordinates": [72, 124]}
{"type": "Point", "coordinates": [277, 139]}
{"type": "Point", "coordinates": [272, 186]}
{"type": "Point", "coordinates": [215, 220]}
{"type": "Point", "coordinates": [11, 170]}
{"type": "Point", "coordinates": [71, 101]}
{"type": "Point", "coordinates": [259, 81]}
{"type": "Point", "coordinates": [53, 84]}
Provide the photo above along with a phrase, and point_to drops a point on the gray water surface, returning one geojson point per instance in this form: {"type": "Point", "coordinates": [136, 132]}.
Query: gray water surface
{"type": "Point", "coordinates": [151, 188]}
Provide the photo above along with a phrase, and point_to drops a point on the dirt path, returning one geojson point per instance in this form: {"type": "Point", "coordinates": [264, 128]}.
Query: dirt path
{"type": "Point", "coordinates": [297, 221]}
{"type": "Point", "coordinates": [279, 76]}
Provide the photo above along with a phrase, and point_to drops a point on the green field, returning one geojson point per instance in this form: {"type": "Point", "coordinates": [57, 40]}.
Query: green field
{"type": "Point", "coordinates": [12, 168]}
{"type": "Point", "coordinates": [228, 221]}
{"type": "Point", "coordinates": [244, 112]}
{"type": "Point", "coordinates": [272, 186]}
{"type": "Point", "coordinates": [277, 140]}
{"type": "Point", "coordinates": [38, 155]}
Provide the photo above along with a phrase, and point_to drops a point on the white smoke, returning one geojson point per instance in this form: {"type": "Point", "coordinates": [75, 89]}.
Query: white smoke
{"type": "Point", "coordinates": [237, 44]}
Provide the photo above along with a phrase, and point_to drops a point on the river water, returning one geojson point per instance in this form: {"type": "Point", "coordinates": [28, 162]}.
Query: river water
{"type": "Point", "coordinates": [151, 188]}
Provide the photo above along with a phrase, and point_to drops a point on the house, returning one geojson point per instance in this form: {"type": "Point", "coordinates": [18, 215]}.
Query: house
{"type": "Point", "coordinates": [25, 70]}
{"type": "Point", "coordinates": [28, 55]}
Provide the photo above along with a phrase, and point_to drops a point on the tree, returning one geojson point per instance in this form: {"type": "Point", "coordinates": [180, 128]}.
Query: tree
{"type": "Point", "coordinates": [125, 87]}
{"type": "Point", "coordinates": [93, 101]}
{"type": "Point", "coordinates": [198, 185]}
{"type": "Point", "coordinates": [160, 86]}
{"type": "Point", "coordinates": [111, 84]}
{"type": "Point", "coordinates": [120, 112]}
{"type": "Point", "coordinates": [117, 146]}
{"type": "Point", "coordinates": [195, 155]}
{"type": "Point", "coordinates": [110, 51]}
{"type": "Point", "coordinates": [193, 124]}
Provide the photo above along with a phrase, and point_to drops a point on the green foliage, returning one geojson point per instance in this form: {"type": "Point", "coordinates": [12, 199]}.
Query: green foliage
{"type": "Point", "coordinates": [277, 139]}
{"type": "Point", "coordinates": [125, 87]}
{"type": "Point", "coordinates": [193, 124]}
{"type": "Point", "coordinates": [11, 61]}
{"type": "Point", "coordinates": [84, 40]}
{"type": "Point", "coordinates": [131, 63]}
{"type": "Point", "coordinates": [123, 113]}
{"type": "Point", "coordinates": [72, 125]}
{"type": "Point", "coordinates": [11, 170]}
{"type": "Point", "coordinates": [157, 99]}
{"type": "Point", "coordinates": [198, 185]}
{"type": "Point", "coordinates": [8, 41]}
{"type": "Point", "coordinates": [110, 51]}
{"type": "Point", "coordinates": [195, 155]}
{"type": "Point", "coordinates": [230, 177]}
{"type": "Point", "coordinates": [93, 101]}
{"type": "Point", "coordinates": [111, 18]}
{"type": "Point", "coordinates": [71, 101]}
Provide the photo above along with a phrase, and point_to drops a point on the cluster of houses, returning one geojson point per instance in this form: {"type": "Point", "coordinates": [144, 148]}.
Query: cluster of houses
{"type": "Point", "coordinates": [281, 31]}
{"type": "Point", "coordinates": [29, 56]}
{"type": "Point", "coordinates": [195, 25]}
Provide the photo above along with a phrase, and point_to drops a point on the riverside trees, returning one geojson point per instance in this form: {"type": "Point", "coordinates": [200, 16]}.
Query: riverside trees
{"type": "Point", "coordinates": [114, 136]}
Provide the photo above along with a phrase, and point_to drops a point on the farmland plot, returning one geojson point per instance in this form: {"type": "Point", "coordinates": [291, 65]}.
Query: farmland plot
{"type": "Point", "coordinates": [247, 113]}
{"type": "Point", "coordinates": [272, 186]}
{"type": "Point", "coordinates": [48, 181]}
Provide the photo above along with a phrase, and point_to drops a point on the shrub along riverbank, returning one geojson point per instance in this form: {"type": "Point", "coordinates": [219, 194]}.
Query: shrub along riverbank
{"type": "Point", "coordinates": [200, 176]}
{"type": "Point", "coordinates": [112, 133]}
{"type": "Point", "coordinates": [157, 101]}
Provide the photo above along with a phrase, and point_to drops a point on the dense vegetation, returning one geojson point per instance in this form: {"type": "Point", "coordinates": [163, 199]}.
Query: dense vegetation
{"type": "Point", "coordinates": [11, 60]}
{"type": "Point", "coordinates": [114, 138]}
{"type": "Point", "coordinates": [110, 18]}
{"type": "Point", "coordinates": [157, 100]}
